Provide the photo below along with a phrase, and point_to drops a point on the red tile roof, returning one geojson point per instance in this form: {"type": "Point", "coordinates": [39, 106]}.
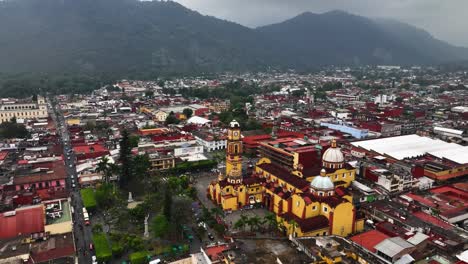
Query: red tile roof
{"type": "Point", "coordinates": [332, 201]}
{"type": "Point", "coordinates": [26, 221]}
{"type": "Point", "coordinates": [213, 252]}
{"type": "Point", "coordinates": [369, 239]}
{"type": "Point", "coordinates": [431, 219]}
{"type": "Point", "coordinates": [3, 155]}
{"type": "Point", "coordinates": [86, 149]}
{"type": "Point", "coordinates": [58, 173]}
{"type": "Point", "coordinates": [284, 175]}
{"type": "Point", "coordinates": [309, 224]}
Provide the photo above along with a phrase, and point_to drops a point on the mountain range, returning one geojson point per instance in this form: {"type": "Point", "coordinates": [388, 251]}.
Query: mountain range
{"type": "Point", "coordinates": [131, 36]}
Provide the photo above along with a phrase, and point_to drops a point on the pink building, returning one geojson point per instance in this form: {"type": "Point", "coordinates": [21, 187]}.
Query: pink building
{"type": "Point", "coordinates": [53, 178]}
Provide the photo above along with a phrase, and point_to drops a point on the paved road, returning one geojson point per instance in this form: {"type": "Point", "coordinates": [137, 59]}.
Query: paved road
{"type": "Point", "coordinates": [82, 233]}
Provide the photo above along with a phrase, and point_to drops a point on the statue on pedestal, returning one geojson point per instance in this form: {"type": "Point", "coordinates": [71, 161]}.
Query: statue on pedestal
{"type": "Point", "coordinates": [146, 234]}
{"type": "Point", "coordinates": [130, 198]}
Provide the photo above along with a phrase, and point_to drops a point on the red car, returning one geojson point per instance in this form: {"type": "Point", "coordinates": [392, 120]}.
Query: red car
{"type": "Point", "coordinates": [91, 246]}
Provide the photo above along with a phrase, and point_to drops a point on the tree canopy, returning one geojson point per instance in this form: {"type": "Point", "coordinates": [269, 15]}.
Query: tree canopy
{"type": "Point", "coordinates": [11, 129]}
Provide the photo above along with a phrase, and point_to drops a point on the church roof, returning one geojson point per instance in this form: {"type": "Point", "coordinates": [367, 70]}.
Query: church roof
{"type": "Point", "coordinates": [284, 175]}
{"type": "Point", "coordinates": [309, 224]}
{"type": "Point", "coordinates": [332, 201]}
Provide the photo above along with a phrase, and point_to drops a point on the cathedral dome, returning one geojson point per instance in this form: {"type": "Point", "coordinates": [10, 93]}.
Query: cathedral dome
{"type": "Point", "coordinates": [234, 124]}
{"type": "Point", "coordinates": [322, 182]}
{"type": "Point", "coordinates": [333, 157]}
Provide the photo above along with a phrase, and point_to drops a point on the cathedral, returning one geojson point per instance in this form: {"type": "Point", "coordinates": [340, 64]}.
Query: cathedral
{"type": "Point", "coordinates": [307, 190]}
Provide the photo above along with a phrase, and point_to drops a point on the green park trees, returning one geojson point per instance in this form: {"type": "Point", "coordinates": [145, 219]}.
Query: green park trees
{"type": "Point", "coordinates": [125, 159]}
{"type": "Point", "coordinates": [11, 129]}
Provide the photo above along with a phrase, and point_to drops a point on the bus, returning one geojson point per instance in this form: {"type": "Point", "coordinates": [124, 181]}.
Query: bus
{"type": "Point", "coordinates": [85, 216]}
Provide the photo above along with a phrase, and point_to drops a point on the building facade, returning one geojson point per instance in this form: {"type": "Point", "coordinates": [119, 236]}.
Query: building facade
{"type": "Point", "coordinates": [23, 110]}
{"type": "Point", "coordinates": [210, 142]}
{"type": "Point", "coordinates": [306, 204]}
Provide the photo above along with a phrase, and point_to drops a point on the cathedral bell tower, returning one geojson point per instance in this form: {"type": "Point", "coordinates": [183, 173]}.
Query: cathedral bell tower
{"type": "Point", "coordinates": [234, 154]}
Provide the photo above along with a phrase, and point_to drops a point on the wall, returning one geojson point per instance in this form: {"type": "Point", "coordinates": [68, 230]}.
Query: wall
{"type": "Point", "coordinates": [343, 219]}
{"type": "Point", "coordinates": [36, 185]}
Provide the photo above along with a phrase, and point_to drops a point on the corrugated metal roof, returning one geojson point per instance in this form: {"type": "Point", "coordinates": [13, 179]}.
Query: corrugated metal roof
{"type": "Point", "coordinates": [392, 246]}
{"type": "Point", "coordinates": [417, 238]}
{"type": "Point", "coordinates": [413, 145]}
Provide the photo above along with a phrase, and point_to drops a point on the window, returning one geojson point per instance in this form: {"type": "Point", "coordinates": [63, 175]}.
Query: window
{"type": "Point", "coordinates": [227, 189]}
{"type": "Point", "coordinates": [325, 209]}
{"type": "Point", "coordinates": [298, 203]}
{"type": "Point", "coordinates": [325, 233]}
{"type": "Point", "coordinates": [344, 175]}
{"type": "Point", "coordinates": [336, 177]}
{"type": "Point", "coordinates": [320, 193]}
{"type": "Point", "coordinates": [314, 208]}
{"type": "Point", "coordinates": [57, 183]}
{"type": "Point", "coordinates": [240, 189]}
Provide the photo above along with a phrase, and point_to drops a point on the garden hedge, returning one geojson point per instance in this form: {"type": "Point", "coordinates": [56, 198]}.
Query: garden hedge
{"type": "Point", "coordinates": [102, 248]}
{"type": "Point", "coordinates": [89, 199]}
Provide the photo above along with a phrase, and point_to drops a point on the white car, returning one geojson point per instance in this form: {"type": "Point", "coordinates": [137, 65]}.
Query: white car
{"type": "Point", "coordinates": [94, 259]}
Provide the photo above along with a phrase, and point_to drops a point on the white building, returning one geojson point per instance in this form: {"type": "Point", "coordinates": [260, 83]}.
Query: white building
{"type": "Point", "coordinates": [210, 143]}
{"type": "Point", "coordinates": [451, 133]}
{"type": "Point", "coordinates": [188, 150]}
{"type": "Point", "coordinates": [33, 110]}
{"type": "Point", "coordinates": [394, 183]}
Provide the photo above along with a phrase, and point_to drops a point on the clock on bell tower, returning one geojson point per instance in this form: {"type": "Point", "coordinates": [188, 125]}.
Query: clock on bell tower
{"type": "Point", "coordinates": [234, 153]}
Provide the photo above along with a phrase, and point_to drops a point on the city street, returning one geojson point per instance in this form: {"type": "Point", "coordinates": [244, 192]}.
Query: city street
{"type": "Point", "coordinates": [82, 233]}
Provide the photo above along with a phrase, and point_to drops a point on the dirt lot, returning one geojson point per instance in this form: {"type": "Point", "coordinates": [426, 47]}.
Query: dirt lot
{"type": "Point", "coordinates": [267, 251]}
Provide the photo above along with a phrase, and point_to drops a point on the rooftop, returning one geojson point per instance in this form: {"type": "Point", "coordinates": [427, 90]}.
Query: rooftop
{"type": "Point", "coordinates": [369, 239]}
{"type": "Point", "coordinates": [393, 246]}
{"type": "Point", "coordinates": [22, 221]}
{"type": "Point", "coordinates": [411, 146]}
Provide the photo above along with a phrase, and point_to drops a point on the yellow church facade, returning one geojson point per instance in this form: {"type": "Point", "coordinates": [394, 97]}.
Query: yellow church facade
{"type": "Point", "coordinates": [305, 204]}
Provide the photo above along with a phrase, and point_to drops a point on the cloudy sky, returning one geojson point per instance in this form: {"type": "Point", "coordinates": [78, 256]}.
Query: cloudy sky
{"type": "Point", "coordinates": [445, 19]}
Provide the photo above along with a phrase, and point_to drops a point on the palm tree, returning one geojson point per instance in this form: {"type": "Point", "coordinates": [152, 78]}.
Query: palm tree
{"type": "Point", "coordinates": [103, 166]}
{"type": "Point", "coordinates": [281, 226]}
{"type": "Point", "coordinates": [294, 225]}
{"type": "Point", "coordinates": [216, 211]}
{"type": "Point", "coordinates": [254, 222]}
{"type": "Point", "coordinates": [242, 222]}
{"type": "Point", "coordinates": [270, 219]}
